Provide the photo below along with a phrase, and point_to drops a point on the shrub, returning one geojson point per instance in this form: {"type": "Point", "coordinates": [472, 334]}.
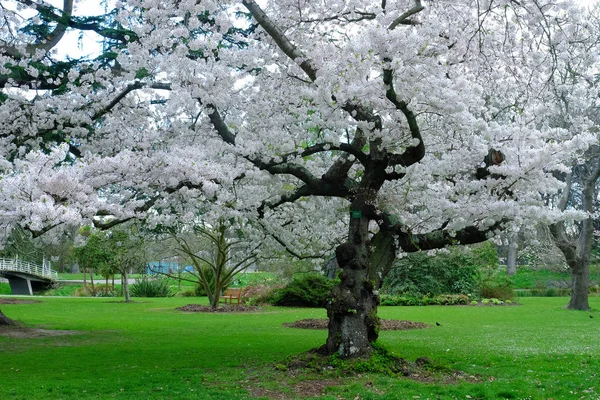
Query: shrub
{"type": "Point", "coordinates": [310, 290]}
{"type": "Point", "coordinates": [453, 272]}
{"type": "Point", "coordinates": [83, 291]}
{"type": "Point", "coordinates": [259, 294]}
{"type": "Point", "coordinates": [441, 300]}
{"type": "Point", "coordinates": [210, 277]}
{"type": "Point", "coordinates": [104, 291]}
{"type": "Point", "coordinates": [99, 290]}
{"type": "Point", "coordinates": [156, 287]}
{"type": "Point", "coordinates": [186, 293]}
{"type": "Point", "coordinates": [494, 283]}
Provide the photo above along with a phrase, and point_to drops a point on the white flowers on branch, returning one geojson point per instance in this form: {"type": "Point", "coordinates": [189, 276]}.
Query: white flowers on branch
{"type": "Point", "coordinates": [467, 74]}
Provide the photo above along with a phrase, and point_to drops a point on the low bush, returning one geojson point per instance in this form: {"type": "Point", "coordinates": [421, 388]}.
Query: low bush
{"type": "Point", "coordinates": [452, 272]}
{"type": "Point", "coordinates": [151, 287]}
{"type": "Point", "coordinates": [494, 283]}
{"type": "Point", "coordinates": [99, 290]}
{"type": "Point", "coordinates": [441, 300]}
{"type": "Point", "coordinates": [308, 290]}
{"type": "Point", "coordinates": [105, 291]}
{"type": "Point", "coordinates": [186, 293]}
{"type": "Point", "coordinates": [543, 292]}
{"type": "Point", "coordinates": [259, 294]}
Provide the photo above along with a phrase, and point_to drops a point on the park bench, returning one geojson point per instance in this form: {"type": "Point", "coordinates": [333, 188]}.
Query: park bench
{"type": "Point", "coordinates": [232, 294]}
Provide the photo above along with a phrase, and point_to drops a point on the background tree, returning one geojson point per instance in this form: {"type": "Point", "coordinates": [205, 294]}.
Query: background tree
{"type": "Point", "coordinates": [95, 255]}
{"type": "Point", "coordinates": [573, 105]}
{"type": "Point", "coordinates": [217, 254]}
{"type": "Point", "coordinates": [130, 255]}
{"type": "Point", "coordinates": [575, 240]}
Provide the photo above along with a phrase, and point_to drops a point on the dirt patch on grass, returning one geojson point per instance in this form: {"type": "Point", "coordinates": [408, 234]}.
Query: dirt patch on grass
{"type": "Point", "coordinates": [9, 300]}
{"type": "Point", "coordinates": [386, 324]}
{"type": "Point", "coordinates": [303, 389]}
{"type": "Point", "coordinates": [226, 308]}
{"type": "Point", "coordinates": [20, 332]}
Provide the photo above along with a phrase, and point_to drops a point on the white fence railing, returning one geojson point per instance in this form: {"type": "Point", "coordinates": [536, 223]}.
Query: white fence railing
{"type": "Point", "coordinates": [16, 265]}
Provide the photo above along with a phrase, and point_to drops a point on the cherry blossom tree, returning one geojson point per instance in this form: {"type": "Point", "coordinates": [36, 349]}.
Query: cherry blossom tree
{"type": "Point", "coordinates": [376, 128]}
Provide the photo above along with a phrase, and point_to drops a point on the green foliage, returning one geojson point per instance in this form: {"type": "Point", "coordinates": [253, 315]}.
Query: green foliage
{"type": "Point", "coordinates": [4, 288]}
{"type": "Point", "coordinates": [454, 272]}
{"type": "Point", "coordinates": [105, 291]}
{"type": "Point", "coordinates": [63, 289]}
{"type": "Point", "coordinates": [151, 287]}
{"type": "Point", "coordinates": [186, 293]}
{"type": "Point", "coordinates": [259, 294]}
{"type": "Point", "coordinates": [544, 292]}
{"type": "Point", "coordinates": [209, 279]}
{"type": "Point", "coordinates": [307, 290]}
{"type": "Point", "coordinates": [494, 283]}
{"type": "Point", "coordinates": [440, 300]}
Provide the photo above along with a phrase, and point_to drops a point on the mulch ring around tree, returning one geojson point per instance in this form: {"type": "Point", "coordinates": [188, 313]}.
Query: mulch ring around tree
{"type": "Point", "coordinates": [224, 308]}
{"type": "Point", "coordinates": [311, 374]}
{"type": "Point", "coordinates": [386, 324]}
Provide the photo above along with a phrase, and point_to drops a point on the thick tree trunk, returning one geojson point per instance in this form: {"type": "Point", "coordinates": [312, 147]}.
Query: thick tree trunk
{"type": "Point", "coordinates": [352, 308]}
{"type": "Point", "coordinates": [5, 321]}
{"type": "Point", "coordinates": [580, 274]}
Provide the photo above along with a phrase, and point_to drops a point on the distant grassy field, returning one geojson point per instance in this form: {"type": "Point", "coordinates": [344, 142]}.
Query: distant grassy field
{"type": "Point", "coordinates": [148, 350]}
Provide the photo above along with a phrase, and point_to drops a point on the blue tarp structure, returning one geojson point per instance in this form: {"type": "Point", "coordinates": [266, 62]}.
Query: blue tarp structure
{"type": "Point", "coordinates": [165, 267]}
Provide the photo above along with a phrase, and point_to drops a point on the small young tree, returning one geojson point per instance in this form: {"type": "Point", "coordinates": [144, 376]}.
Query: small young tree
{"type": "Point", "coordinates": [130, 255]}
{"type": "Point", "coordinates": [216, 266]}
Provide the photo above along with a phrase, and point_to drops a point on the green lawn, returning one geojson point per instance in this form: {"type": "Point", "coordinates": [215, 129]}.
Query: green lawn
{"type": "Point", "coordinates": [148, 350]}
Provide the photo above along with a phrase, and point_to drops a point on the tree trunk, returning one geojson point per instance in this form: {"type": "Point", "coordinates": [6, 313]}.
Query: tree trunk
{"type": "Point", "coordinates": [126, 286]}
{"type": "Point", "coordinates": [5, 321]}
{"type": "Point", "coordinates": [352, 308]}
{"type": "Point", "coordinates": [214, 299]}
{"type": "Point", "coordinates": [580, 274]}
{"type": "Point", "coordinates": [511, 260]}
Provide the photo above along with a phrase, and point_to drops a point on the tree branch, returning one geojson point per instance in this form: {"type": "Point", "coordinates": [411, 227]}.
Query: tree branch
{"type": "Point", "coordinates": [413, 154]}
{"type": "Point", "coordinates": [403, 19]}
{"type": "Point", "coordinates": [284, 44]}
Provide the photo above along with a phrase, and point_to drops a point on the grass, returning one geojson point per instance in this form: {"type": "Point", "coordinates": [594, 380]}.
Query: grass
{"type": "Point", "coordinates": [148, 350]}
{"type": "Point", "coordinates": [529, 278]}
